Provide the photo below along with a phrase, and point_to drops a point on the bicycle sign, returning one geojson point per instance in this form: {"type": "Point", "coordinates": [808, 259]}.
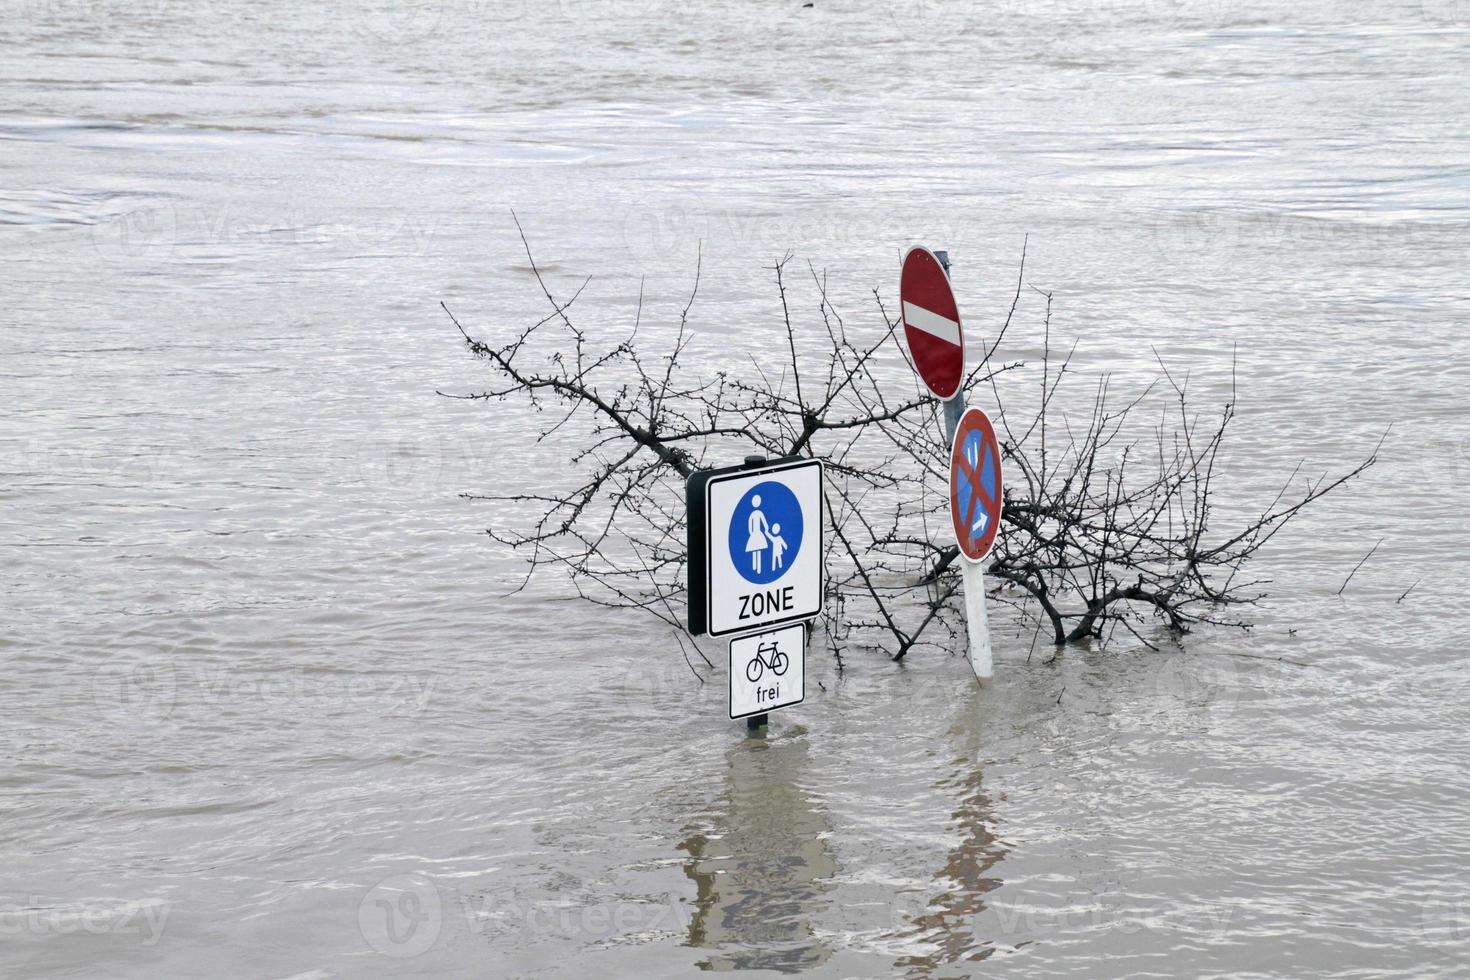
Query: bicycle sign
{"type": "Point", "coordinates": [767, 671]}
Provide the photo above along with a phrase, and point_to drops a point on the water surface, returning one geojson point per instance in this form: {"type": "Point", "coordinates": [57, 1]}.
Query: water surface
{"type": "Point", "coordinates": [264, 709]}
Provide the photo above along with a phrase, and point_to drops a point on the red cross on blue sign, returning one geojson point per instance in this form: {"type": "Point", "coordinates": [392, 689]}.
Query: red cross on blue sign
{"type": "Point", "coordinates": [975, 484]}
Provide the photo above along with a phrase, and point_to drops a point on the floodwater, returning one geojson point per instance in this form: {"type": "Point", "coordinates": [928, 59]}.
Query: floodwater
{"type": "Point", "coordinates": [264, 710]}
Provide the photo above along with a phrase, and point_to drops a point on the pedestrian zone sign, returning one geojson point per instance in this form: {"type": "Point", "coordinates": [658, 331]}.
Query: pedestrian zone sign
{"type": "Point", "coordinates": [755, 546]}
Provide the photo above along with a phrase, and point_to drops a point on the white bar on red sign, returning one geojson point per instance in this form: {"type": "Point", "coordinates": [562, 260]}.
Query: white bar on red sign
{"type": "Point", "coordinates": [931, 323]}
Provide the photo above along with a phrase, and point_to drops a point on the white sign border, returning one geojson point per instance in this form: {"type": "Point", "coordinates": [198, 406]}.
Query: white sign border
{"type": "Point", "coordinates": [710, 542]}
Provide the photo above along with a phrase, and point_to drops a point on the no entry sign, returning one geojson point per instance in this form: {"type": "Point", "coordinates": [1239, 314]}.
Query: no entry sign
{"type": "Point", "coordinates": [931, 323]}
{"type": "Point", "coordinates": [755, 546]}
{"type": "Point", "coordinates": [974, 484]}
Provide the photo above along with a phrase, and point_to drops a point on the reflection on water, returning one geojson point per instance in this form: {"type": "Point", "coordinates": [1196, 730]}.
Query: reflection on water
{"type": "Point", "coordinates": [761, 868]}
{"type": "Point", "coordinates": [948, 924]}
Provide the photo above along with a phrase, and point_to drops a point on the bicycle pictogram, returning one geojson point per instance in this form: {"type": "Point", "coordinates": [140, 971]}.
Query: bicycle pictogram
{"type": "Point", "coordinates": [777, 663]}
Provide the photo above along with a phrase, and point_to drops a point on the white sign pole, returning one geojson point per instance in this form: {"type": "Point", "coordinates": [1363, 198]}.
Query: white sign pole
{"type": "Point", "coordinates": [972, 577]}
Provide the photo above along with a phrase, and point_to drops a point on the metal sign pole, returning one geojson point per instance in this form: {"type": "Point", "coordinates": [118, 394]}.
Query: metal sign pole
{"type": "Point", "coordinates": [953, 407]}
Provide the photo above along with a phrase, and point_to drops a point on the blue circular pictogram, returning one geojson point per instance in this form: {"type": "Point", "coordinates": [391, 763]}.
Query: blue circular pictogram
{"type": "Point", "coordinates": [765, 532]}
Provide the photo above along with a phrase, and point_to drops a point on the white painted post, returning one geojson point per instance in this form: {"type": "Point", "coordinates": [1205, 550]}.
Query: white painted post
{"type": "Point", "coordinates": [972, 575]}
{"type": "Point", "coordinates": [973, 579]}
